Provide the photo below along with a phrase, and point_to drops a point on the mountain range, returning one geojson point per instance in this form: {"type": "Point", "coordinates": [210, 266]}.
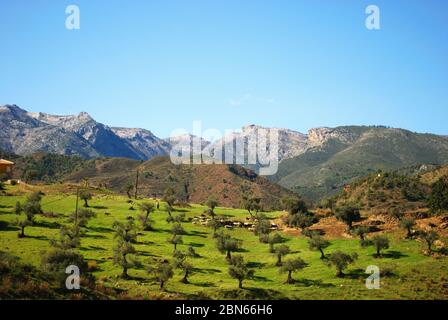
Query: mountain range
{"type": "Point", "coordinates": [316, 164]}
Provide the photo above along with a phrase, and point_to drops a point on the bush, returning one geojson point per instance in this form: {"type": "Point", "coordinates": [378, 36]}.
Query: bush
{"type": "Point", "coordinates": [56, 261]}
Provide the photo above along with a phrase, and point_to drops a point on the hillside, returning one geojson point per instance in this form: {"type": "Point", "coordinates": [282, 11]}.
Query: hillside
{"type": "Point", "coordinates": [348, 153]}
{"type": "Point", "coordinates": [405, 189]}
{"type": "Point", "coordinates": [46, 167]}
{"type": "Point", "coordinates": [316, 165]}
{"type": "Point", "coordinates": [381, 192]}
{"type": "Point", "coordinates": [191, 183]}
{"type": "Point", "coordinates": [407, 271]}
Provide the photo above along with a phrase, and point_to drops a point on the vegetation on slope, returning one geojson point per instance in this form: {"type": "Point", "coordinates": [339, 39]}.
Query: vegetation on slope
{"type": "Point", "coordinates": [190, 183]}
{"type": "Point", "coordinates": [324, 171]}
{"type": "Point", "coordinates": [408, 271]}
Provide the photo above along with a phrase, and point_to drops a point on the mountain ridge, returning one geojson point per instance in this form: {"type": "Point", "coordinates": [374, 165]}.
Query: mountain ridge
{"type": "Point", "coordinates": [316, 164]}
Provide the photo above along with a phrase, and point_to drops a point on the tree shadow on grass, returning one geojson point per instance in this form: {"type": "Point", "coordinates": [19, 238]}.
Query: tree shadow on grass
{"type": "Point", "coordinates": [207, 270]}
{"type": "Point", "coordinates": [48, 225]}
{"type": "Point", "coordinates": [257, 265]}
{"type": "Point", "coordinates": [262, 279]}
{"type": "Point", "coordinates": [95, 236]}
{"type": "Point", "coordinates": [93, 248]}
{"type": "Point", "coordinates": [355, 274]}
{"type": "Point", "coordinates": [137, 278]}
{"type": "Point", "coordinates": [149, 243]}
{"type": "Point", "coordinates": [252, 293]}
{"type": "Point", "coordinates": [147, 254]}
{"type": "Point", "coordinates": [195, 233]}
{"type": "Point", "coordinates": [6, 226]}
{"type": "Point", "coordinates": [206, 284]}
{"type": "Point", "coordinates": [196, 245]}
{"type": "Point", "coordinates": [101, 229]}
{"type": "Point", "coordinates": [99, 207]}
{"type": "Point", "coordinates": [313, 283]}
{"type": "Point", "coordinates": [161, 231]}
{"type": "Point", "coordinates": [36, 237]}
{"type": "Point", "coordinates": [391, 254]}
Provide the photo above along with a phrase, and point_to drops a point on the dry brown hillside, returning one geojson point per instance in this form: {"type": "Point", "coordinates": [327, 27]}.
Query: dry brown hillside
{"type": "Point", "coordinates": [191, 183]}
{"type": "Point", "coordinates": [434, 175]}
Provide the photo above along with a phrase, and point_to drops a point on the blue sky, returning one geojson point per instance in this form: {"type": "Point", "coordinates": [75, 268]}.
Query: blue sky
{"type": "Point", "coordinates": [160, 65]}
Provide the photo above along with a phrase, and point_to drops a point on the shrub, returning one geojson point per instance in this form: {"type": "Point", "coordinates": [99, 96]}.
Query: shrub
{"type": "Point", "coordinates": [57, 260]}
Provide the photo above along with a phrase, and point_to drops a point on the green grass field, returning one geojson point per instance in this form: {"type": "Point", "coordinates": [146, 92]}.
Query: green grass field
{"type": "Point", "coordinates": [415, 276]}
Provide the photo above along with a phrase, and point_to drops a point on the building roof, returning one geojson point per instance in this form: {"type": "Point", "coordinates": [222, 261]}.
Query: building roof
{"type": "Point", "coordinates": [3, 161]}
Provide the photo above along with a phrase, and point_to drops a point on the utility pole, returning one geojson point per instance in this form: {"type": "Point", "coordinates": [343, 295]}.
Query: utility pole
{"type": "Point", "coordinates": [76, 210]}
{"type": "Point", "coordinates": [136, 185]}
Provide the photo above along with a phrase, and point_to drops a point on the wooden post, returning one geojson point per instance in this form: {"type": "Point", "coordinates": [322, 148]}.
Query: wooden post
{"type": "Point", "coordinates": [76, 210]}
{"type": "Point", "coordinates": [136, 186]}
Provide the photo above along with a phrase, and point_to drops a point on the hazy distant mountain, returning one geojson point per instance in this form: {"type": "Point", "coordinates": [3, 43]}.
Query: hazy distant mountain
{"type": "Point", "coordinates": [21, 133]}
{"type": "Point", "coordinates": [25, 133]}
{"type": "Point", "coordinates": [186, 140]}
{"type": "Point", "coordinates": [290, 143]}
{"type": "Point", "coordinates": [101, 137]}
{"type": "Point", "coordinates": [144, 142]}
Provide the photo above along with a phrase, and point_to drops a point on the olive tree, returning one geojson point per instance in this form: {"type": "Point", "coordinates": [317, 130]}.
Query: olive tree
{"type": "Point", "coordinates": [239, 270]}
{"type": "Point", "coordinates": [262, 228]}
{"type": "Point", "coordinates": [226, 244]}
{"type": "Point", "coordinates": [281, 251]}
{"type": "Point", "coordinates": [408, 224]}
{"type": "Point", "coordinates": [85, 196]}
{"type": "Point", "coordinates": [124, 251]}
{"type": "Point", "coordinates": [290, 266]}
{"type": "Point", "coordinates": [183, 264]}
{"type": "Point", "coordinates": [429, 237]}
{"type": "Point", "coordinates": [128, 188]}
{"type": "Point", "coordinates": [361, 232]}
{"type": "Point", "coordinates": [273, 240]}
{"type": "Point", "coordinates": [146, 209]}
{"type": "Point", "coordinates": [380, 243]}
{"type": "Point", "coordinates": [341, 261]}
{"type": "Point", "coordinates": [348, 215]}
{"type": "Point", "coordinates": [251, 204]}
{"type": "Point", "coordinates": [169, 197]}
{"type": "Point", "coordinates": [318, 243]}
{"type": "Point", "coordinates": [212, 203]}
{"type": "Point", "coordinates": [82, 217]}
{"type": "Point", "coordinates": [31, 207]}
{"type": "Point", "coordinates": [293, 205]}
{"type": "Point", "coordinates": [177, 231]}
{"type": "Point", "coordinates": [162, 272]}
